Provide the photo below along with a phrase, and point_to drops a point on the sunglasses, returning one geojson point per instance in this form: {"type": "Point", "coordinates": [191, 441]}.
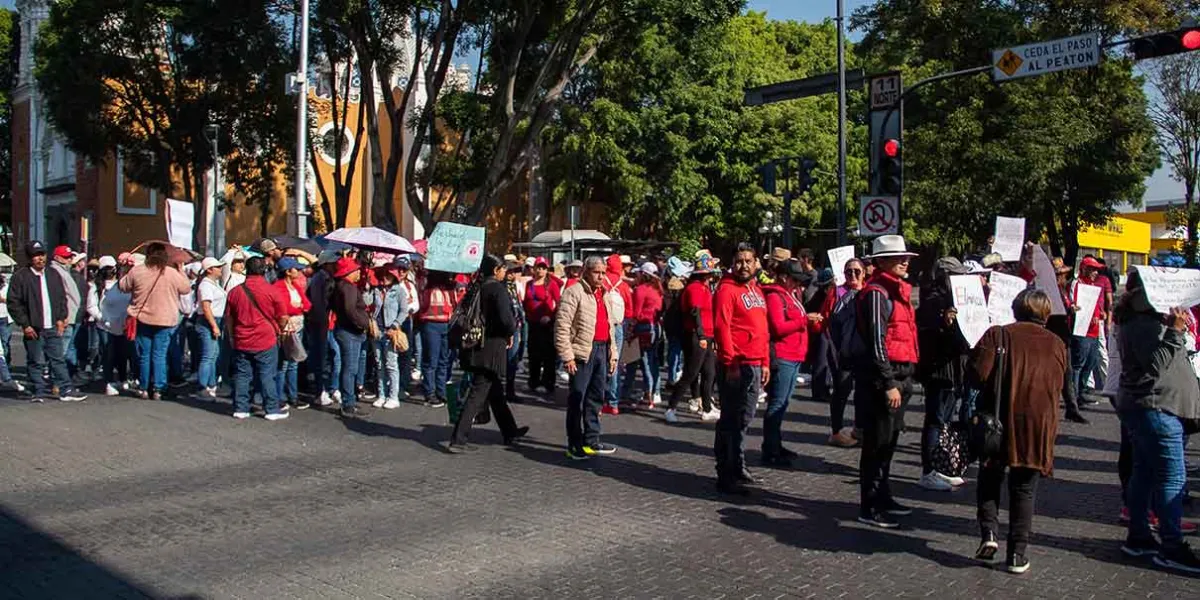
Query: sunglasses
{"type": "Point", "coordinates": [854, 271]}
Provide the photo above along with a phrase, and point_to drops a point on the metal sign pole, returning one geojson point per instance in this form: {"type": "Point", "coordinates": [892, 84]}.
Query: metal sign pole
{"type": "Point", "coordinates": [841, 60]}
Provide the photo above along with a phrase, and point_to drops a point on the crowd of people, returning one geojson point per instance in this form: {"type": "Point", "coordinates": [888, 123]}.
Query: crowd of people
{"type": "Point", "coordinates": [280, 328]}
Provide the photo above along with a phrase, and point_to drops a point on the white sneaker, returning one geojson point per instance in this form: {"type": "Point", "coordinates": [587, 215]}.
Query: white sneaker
{"type": "Point", "coordinates": [670, 416]}
{"type": "Point", "coordinates": [563, 377]}
{"type": "Point", "coordinates": [712, 415]}
{"type": "Point", "coordinates": [954, 481]}
{"type": "Point", "coordinates": [284, 407]}
{"type": "Point", "coordinates": [279, 416]}
{"type": "Point", "coordinates": [762, 397]}
{"type": "Point", "coordinates": [324, 399]}
{"type": "Point", "coordinates": [935, 481]}
{"type": "Point", "coordinates": [416, 375]}
{"type": "Point", "coordinates": [241, 415]}
{"type": "Point", "coordinates": [695, 405]}
{"type": "Point", "coordinates": [128, 385]}
{"type": "Point", "coordinates": [801, 380]}
{"type": "Point", "coordinates": [17, 387]}
{"type": "Point", "coordinates": [657, 400]}
{"type": "Point", "coordinates": [391, 403]}
{"type": "Point", "coordinates": [337, 396]}
{"type": "Point", "coordinates": [111, 390]}
{"type": "Point", "coordinates": [379, 402]}
{"type": "Point", "coordinates": [210, 392]}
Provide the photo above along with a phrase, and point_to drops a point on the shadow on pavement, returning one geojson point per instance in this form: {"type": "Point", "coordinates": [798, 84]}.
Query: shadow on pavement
{"type": "Point", "coordinates": [430, 436]}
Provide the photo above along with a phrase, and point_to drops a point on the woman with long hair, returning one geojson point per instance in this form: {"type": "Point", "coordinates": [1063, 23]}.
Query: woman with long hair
{"type": "Point", "coordinates": [647, 317]}
{"type": "Point", "coordinates": [155, 288]}
{"type": "Point", "coordinates": [788, 324]}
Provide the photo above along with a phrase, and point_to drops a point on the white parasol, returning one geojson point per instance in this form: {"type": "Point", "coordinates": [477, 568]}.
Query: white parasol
{"type": "Point", "coordinates": [372, 238]}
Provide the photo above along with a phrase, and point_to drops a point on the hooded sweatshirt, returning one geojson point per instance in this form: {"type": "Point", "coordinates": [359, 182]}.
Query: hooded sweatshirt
{"type": "Point", "coordinates": [741, 324]}
{"type": "Point", "coordinates": [788, 323]}
{"type": "Point", "coordinates": [615, 279]}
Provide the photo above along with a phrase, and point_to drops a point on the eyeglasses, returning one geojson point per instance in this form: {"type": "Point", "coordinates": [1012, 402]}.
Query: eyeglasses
{"type": "Point", "coordinates": [854, 271]}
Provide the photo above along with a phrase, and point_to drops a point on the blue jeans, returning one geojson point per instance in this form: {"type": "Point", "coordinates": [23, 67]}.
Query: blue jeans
{"type": "Point", "coordinates": [585, 396]}
{"type": "Point", "coordinates": [175, 351]}
{"type": "Point", "coordinates": [651, 363]}
{"type": "Point", "coordinates": [940, 400]}
{"type": "Point", "coordinates": [435, 360]}
{"type": "Point", "coordinates": [387, 368]}
{"type": "Point", "coordinates": [6, 337]}
{"type": "Point", "coordinates": [152, 342]}
{"type": "Point", "coordinates": [361, 374]}
{"type": "Point", "coordinates": [1158, 474]}
{"type": "Point", "coordinates": [614, 381]}
{"type": "Point", "coordinates": [674, 358]}
{"type": "Point", "coordinates": [209, 351]}
{"type": "Point", "coordinates": [350, 345]}
{"type": "Point", "coordinates": [255, 371]}
{"type": "Point", "coordinates": [48, 347]}
{"type": "Point", "coordinates": [286, 380]}
{"type": "Point", "coordinates": [779, 394]}
{"type": "Point", "coordinates": [514, 357]}
{"type": "Point", "coordinates": [1085, 356]}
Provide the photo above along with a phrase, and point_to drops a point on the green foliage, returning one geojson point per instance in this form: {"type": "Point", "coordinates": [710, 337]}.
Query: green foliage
{"type": "Point", "coordinates": [10, 33]}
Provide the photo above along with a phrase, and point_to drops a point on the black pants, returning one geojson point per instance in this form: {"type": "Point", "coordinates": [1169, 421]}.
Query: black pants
{"type": "Point", "coordinates": [588, 386]}
{"type": "Point", "coordinates": [486, 388]}
{"type": "Point", "coordinates": [541, 355]}
{"type": "Point", "coordinates": [1058, 325]}
{"type": "Point", "coordinates": [821, 363]}
{"type": "Point", "coordinates": [740, 387]}
{"type": "Point", "coordinates": [843, 386]}
{"type": "Point", "coordinates": [699, 366]}
{"type": "Point", "coordinates": [881, 429]}
{"type": "Point", "coordinates": [1022, 486]}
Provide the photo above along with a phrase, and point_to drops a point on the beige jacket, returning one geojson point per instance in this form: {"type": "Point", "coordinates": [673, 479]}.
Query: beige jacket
{"type": "Point", "coordinates": [575, 324]}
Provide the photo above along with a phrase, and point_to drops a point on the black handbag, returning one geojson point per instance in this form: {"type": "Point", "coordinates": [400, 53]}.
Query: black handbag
{"type": "Point", "coordinates": [985, 438]}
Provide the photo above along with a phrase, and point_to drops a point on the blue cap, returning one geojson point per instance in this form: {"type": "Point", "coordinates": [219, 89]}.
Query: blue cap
{"type": "Point", "coordinates": [288, 262]}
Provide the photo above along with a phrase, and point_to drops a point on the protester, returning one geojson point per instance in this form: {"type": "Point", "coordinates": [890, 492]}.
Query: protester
{"type": "Point", "coordinates": [884, 378]}
{"type": "Point", "coordinates": [489, 361]}
{"type": "Point", "coordinates": [391, 311]}
{"type": "Point", "coordinates": [324, 358]}
{"type": "Point", "coordinates": [257, 314]}
{"type": "Point", "coordinates": [647, 317]}
{"type": "Point", "coordinates": [1061, 325]}
{"type": "Point", "coordinates": [677, 277]}
{"type": "Point", "coordinates": [1031, 364]}
{"type": "Point", "coordinates": [699, 356]}
{"type": "Point", "coordinates": [942, 367]}
{"type": "Point", "coordinates": [574, 272]}
{"type": "Point", "coordinates": [840, 321]}
{"type": "Point", "coordinates": [75, 287]}
{"type": "Point", "coordinates": [542, 296]}
{"type": "Point", "coordinates": [437, 304]}
{"type": "Point", "coordinates": [290, 286]}
{"type": "Point", "coordinates": [1104, 280]}
{"type": "Point", "coordinates": [5, 318]}
{"type": "Point", "coordinates": [512, 272]}
{"type": "Point", "coordinates": [211, 298]}
{"type": "Point", "coordinates": [1158, 393]}
{"type": "Point", "coordinates": [819, 285]}
{"type": "Point", "coordinates": [37, 303]}
{"type": "Point", "coordinates": [618, 299]}
{"type": "Point", "coordinates": [743, 350]}
{"type": "Point", "coordinates": [155, 289]}
{"type": "Point", "coordinates": [583, 336]}
{"type": "Point", "coordinates": [1085, 349]}
{"type": "Point", "coordinates": [352, 323]}
{"type": "Point", "coordinates": [788, 324]}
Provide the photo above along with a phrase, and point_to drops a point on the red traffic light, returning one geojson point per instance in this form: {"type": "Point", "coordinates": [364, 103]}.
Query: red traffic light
{"type": "Point", "coordinates": [1186, 39]}
{"type": "Point", "coordinates": [891, 148]}
{"type": "Point", "coordinates": [1191, 39]}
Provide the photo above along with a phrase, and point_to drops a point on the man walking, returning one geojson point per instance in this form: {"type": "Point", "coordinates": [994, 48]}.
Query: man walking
{"type": "Point", "coordinates": [743, 351]}
{"type": "Point", "coordinates": [888, 327]}
{"type": "Point", "coordinates": [583, 336]}
{"type": "Point", "coordinates": [256, 313]}
{"type": "Point", "coordinates": [75, 287]}
{"type": "Point", "coordinates": [37, 303]}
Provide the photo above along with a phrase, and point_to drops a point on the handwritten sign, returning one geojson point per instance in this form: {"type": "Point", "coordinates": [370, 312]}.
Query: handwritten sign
{"type": "Point", "coordinates": [971, 305]}
{"type": "Point", "coordinates": [1010, 237]}
{"type": "Point", "coordinates": [1046, 280]}
{"type": "Point", "coordinates": [1168, 287]}
{"type": "Point", "coordinates": [1086, 297]}
{"type": "Point", "coordinates": [180, 218]}
{"type": "Point", "coordinates": [838, 257]}
{"type": "Point", "coordinates": [455, 248]}
{"type": "Point", "coordinates": [1004, 289]}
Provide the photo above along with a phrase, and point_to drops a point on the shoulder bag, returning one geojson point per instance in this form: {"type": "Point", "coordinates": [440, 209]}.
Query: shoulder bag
{"type": "Point", "coordinates": [289, 343]}
{"type": "Point", "coordinates": [132, 322]}
{"type": "Point", "coordinates": [986, 435]}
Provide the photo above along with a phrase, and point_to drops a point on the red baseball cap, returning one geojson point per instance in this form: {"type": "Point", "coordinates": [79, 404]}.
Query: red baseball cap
{"type": "Point", "coordinates": [541, 262]}
{"type": "Point", "coordinates": [1088, 262]}
{"type": "Point", "coordinates": [345, 266]}
{"type": "Point", "coordinates": [64, 252]}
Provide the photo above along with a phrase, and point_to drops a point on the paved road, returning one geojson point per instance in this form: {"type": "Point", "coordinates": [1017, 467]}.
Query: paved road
{"type": "Point", "coordinates": [116, 497]}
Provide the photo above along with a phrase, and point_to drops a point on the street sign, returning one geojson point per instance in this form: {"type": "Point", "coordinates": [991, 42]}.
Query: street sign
{"type": "Point", "coordinates": [1063, 54]}
{"type": "Point", "coordinates": [878, 215]}
{"type": "Point", "coordinates": [802, 88]}
{"type": "Point", "coordinates": [885, 91]}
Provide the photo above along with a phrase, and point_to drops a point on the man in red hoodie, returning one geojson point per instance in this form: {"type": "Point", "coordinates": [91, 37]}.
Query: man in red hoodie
{"type": "Point", "coordinates": [614, 282]}
{"type": "Point", "coordinates": [740, 325]}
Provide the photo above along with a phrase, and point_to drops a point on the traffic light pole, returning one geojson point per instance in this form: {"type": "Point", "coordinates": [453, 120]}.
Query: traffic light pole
{"type": "Point", "coordinates": [841, 174]}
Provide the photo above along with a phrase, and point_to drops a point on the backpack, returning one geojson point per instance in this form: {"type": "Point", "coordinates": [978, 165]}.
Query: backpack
{"type": "Point", "coordinates": [843, 327]}
{"type": "Point", "coordinates": [466, 322]}
{"type": "Point", "coordinates": [613, 301]}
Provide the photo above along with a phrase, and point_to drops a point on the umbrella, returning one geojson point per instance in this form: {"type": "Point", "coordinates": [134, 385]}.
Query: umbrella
{"type": "Point", "coordinates": [372, 238]}
{"type": "Point", "coordinates": [6, 261]}
{"type": "Point", "coordinates": [175, 254]}
{"type": "Point", "coordinates": [288, 242]}
{"type": "Point", "coordinates": [422, 247]}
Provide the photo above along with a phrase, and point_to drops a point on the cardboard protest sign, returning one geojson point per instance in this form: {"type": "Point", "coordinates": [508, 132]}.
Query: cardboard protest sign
{"type": "Point", "coordinates": [1047, 281]}
{"type": "Point", "coordinates": [1168, 287]}
{"type": "Point", "coordinates": [1009, 237]}
{"type": "Point", "coordinates": [455, 248]}
{"type": "Point", "coordinates": [1086, 297]}
{"type": "Point", "coordinates": [838, 257]}
{"type": "Point", "coordinates": [181, 216]}
{"type": "Point", "coordinates": [971, 305]}
{"type": "Point", "coordinates": [1003, 289]}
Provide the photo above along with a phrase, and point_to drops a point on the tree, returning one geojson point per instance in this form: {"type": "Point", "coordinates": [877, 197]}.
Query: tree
{"type": "Point", "coordinates": [147, 79]}
{"type": "Point", "coordinates": [10, 33]}
{"type": "Point", "coordinates": [1176, 115]}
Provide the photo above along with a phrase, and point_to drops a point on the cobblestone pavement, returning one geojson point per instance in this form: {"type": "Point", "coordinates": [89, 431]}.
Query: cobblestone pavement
{"type": "Point", "coordinates": [116, 497]}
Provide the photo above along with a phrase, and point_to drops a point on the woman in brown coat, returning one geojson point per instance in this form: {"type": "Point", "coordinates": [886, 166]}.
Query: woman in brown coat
{"type": "Point", "coordinates": [1035, 367]}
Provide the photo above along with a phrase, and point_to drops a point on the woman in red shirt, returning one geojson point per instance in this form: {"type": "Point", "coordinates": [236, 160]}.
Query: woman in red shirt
{"type": "Point", "coordinates": [699, 360]}
{"type": "Point", "coordinates": [291, 289]}
{"type": "Point", "coordinates": [647, 317]}
{"type": "Point", "coordinates": [788, 324]}
{"type": "Point", "coordinates": [542, 295]}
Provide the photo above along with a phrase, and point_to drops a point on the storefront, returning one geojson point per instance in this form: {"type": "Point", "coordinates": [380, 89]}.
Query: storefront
{"type": "Point", "coordinates": [1121, 242]}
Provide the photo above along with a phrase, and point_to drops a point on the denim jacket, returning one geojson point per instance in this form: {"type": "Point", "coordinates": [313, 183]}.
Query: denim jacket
{"type": "Point", "coordinates": [391, 306]}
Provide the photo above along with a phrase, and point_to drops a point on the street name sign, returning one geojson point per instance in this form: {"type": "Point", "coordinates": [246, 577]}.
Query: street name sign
{"type": "Point", "coordinates": [1078, 52]}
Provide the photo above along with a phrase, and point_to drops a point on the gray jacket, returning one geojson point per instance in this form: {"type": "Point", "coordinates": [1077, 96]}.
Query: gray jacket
{"type": "Point", "coordinates": [71, 287]}
{"type": "Point", "coordinates": [1155, 372]}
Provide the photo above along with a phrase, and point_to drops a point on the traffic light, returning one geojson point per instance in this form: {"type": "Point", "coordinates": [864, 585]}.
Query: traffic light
{"type": "Point", "coordinates": [891, 168]}
{"type": "Point", "coordinates": [767, 172]}
{"type": "Point", "coordinates": [808, 178]}
{"type": "Point", "coordinates": [1166, 44]}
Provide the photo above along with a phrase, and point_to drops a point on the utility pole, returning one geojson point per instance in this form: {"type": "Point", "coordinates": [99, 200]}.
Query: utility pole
{"type": "Point", "coordinates": [841, 174]}
{"type": "Point", "coordinates": [298, 221]}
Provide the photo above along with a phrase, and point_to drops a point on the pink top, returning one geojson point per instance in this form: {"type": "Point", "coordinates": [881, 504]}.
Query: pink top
{"type": "Point", "coordinates": [155, 303]}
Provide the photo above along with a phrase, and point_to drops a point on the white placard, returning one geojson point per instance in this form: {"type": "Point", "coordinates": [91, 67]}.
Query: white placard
{"type": "Point", "coordinates": [1168, 287]}
{"type": "Point", "coordinates": [1003, 290]}
{"type": "Point", "coordinates": [838, 257]}
{"type": "Point", "coordinates": [180, 218]}
{"type": "Point", "coordinates": [1046, 280]}
{"type": "Point", "coordinates": [971, 306]}
{"type": "Point", "coordinates": [1010, 237]}
{"type": "Point", "coordinates": [1086, 297]}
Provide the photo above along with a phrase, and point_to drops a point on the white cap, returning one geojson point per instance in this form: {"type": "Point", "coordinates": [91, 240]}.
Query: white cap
{"type": "Point", "coordinates": [649, 268]}
{"type": "Point", "coordinates": [107, 261]}
{"type": "Point", "coordinates": [192, 268]}
{"type": "Point", "coordinates": [210, 262]}
{"type": "Point", "coordinates": [78, 256]}
{"type": "Point", "coordinates": [510, 258]}
{"type": "Point", "coordinates": [626, 260]}
{"type": "Point", "coordinates": [529, 261]}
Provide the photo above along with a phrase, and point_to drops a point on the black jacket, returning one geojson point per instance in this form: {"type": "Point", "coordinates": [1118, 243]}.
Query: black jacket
{"type": "Point", "coordinates": [320, 288]}
{"type": "Point", "coordinates": [498, 327]}
{"type": "Point", "coordinates": [944, 350]}
{"type": "Point", "coordinates": [25, 298]}
{"type": "Point", "coordinates": [348, 306]}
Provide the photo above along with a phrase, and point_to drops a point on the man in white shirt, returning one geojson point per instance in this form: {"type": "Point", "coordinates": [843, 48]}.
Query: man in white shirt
{"type": "Point", "coordinates": [37, 303]}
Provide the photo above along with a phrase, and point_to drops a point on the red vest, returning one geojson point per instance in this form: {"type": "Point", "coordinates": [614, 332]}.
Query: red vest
{"type": "Point", "coordinates": [900, 339]}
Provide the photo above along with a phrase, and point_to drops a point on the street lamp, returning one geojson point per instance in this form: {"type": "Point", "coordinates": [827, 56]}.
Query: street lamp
{"type": "Point", "coordinates": [770, 228]}
{"type": "Point", "coordinates": [215, 202]}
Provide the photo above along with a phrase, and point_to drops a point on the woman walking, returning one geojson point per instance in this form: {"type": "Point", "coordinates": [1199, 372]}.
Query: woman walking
{"type": "Point", "coordinates": [488, 362]}
{"type": "Point", "coordinates": [647, 316]}
{"type": "Point", "coordinates": [1021, 368]}
{"type": "Point", "coordinates": [211, 317]}
{"type": "Point", "coordinates": [699, 360]}
{"type": "Point", "coordinates": [155, 289]}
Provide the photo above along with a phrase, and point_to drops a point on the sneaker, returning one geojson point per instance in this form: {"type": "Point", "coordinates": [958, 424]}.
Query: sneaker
{"type": "Point", "coordinates": [656, 400]}
{"type": "Point", "coordinates": [324, 399]}
{"type": "Point", "coordinates": [391, 403]}
{"type": "Point", "coordinates": [416, 375]}
{"type": "Point", "coordinates": [435, 403]}
{"type": "Point", "coordinates": [17, 387]}
{"type": "Point", "coordinates": [72, 396]}
{"type": "Point", "coordinates": [365, 395]}
{"type": "Point", "coordinates": [762, 397]}
{"type": "Point", "coordinates": [1180, 559]}
{"type": "Point", "coordinates": [670, 416]}
{"type": "Point", "coordinates": [157, 395]}
{"type": "Point", "coordinates": [577, 454]}
{"type": "Point", "coordinates": [842, 440]}
{"type": "Point", "coordinates": [211, 392]}
{"type": "Point", "coordinates": [460, 448]}
{"type": "Point", "coordinates": [1138, 548]}
{"type": "Point", "coordinates": [241, 415]}
{"type": "Point", "coordinates": [599, 448]}
{"type": "Point", "coordinates": [299, 404]}
{"type": "Point", "coordinates": [284, 407]}
{"type": "Point", "coordinates": [987, 548]}
{"type": "Point", "coordinates": [337, 396]}
{"type": "Point", "coordinates": [276, 416]}
{"type": "Point", "coordinates": [712, 415]}
{"type": "Point", "coordinates": [891, 507]}
{"type": "Point", "coordinates": [695, 405]}
{"type": "Point", "coordinates": [379, 403]}
{"type": "Point", "coordinates": [353, 412]}
{"type": "Point", "coordinates": [935, 481]}
{"type": "Point", "coordinates": [1017, 564]}
{"type": "Point", "coordinates": [878, 519]}
{"type": "Point", "coordinates": [37, 400]}
{"type": "Point", "coordinates": [1185, 527]}
{"type": "Point", "coordinates": [179, 383]}
{"type": "Point", "coordinates": [801, 380]}
{"type": "Point", "coordinates": [111, 390]}
{"type": "Point", "coordinates": [609, 409]}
